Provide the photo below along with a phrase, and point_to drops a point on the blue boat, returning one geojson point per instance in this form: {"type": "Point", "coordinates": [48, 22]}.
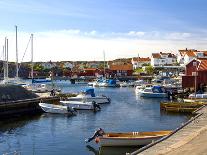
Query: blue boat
{"type": "Point", "coordinates": [41, 80]}
{"type": "Point", "coordinates": [153, 92]}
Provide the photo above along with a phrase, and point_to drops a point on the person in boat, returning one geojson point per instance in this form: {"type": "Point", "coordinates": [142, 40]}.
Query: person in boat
{"type": "Point", "coordinates": [97, 133]}
{"type": "Point", "coordinates": [52, 93]}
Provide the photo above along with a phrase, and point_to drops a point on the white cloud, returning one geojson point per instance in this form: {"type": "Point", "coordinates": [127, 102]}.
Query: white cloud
{"type": "Point", "coordinates": [76, 45]}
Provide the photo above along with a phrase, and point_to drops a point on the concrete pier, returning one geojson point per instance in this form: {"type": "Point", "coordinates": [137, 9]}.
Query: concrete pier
{"type": "Point", "coordinates": [17, 101]}
{"type": "Point", "coordinates": [188, 138]}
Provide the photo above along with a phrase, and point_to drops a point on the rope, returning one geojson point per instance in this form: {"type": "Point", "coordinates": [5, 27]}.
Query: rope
{"type": "Point", "coordinates": [25, 52]}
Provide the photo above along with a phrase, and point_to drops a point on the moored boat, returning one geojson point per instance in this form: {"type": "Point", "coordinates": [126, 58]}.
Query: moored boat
{"type": "Point", "coordinates": [57, 109]}
{"type": "Point", "coordinates": [89, 96]}
{"type": "Point", "coordinates": [130, 138]}
{"type": "Point", "coordinates": [153, 92]}
{"type": "Point", "coordinates": [80, 105]}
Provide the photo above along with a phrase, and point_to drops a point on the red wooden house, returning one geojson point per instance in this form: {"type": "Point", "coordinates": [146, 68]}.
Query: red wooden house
{"type": "Point", "coordinates": [196, 73]}
{"type": "Point", "coordinates": [120, 70]}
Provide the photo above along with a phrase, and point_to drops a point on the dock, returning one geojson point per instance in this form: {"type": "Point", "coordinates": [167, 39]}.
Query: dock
{"type": "Point", "coordinates": [189, 134]}
{"type": "Point", "coordinates": [16, 101]}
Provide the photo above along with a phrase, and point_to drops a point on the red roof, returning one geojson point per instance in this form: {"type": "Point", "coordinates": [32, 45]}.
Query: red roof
{"type": "Point", "coordinates": [203, 65]}
{"type": "Point", "coordinates": [121, 67]}
{"type": "Point", "coordinates": [156, 55]}
{"type": "Point", "coordinates": [141, 59]}
{"type": "Point", "coordinates": [190, 54]}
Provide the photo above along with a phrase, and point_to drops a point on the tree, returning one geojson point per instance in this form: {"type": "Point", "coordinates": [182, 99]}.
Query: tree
{"type": "Point", "coordinates": [149, 70]}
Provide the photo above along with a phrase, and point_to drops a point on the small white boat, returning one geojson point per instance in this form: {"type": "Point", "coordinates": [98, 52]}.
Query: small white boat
{"type": "Point", "coordinates": [130, 138]}
{"type": "Point", "coordinates": [203, 95]}
{"type": "Point", "coordinates": [89, 96]}
{"type": "Point", "coordinates": [79, 105]}
{"type": "Point", "coordinates": [57, 109]}
{"type": "Point", "coordinates": [153, 92]}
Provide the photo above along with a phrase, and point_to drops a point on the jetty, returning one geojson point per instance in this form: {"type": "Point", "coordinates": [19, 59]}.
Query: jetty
{"type": "Point", "coordinates": [16, 101]}
{"type": "Point", "coordinates": [189, 138]}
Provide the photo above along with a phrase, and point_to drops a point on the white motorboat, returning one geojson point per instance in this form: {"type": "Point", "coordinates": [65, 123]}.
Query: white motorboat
{"type": "Point", "coordinates": [201, 95]}
{"type": "Point", "coordinates": [89, 96]}
{"type": "Point", "coordinates": [79, 105]}
{"type": "Point", "coordinates": [57, 109]}
{"type": "Point", "coordinates": [153, 92]}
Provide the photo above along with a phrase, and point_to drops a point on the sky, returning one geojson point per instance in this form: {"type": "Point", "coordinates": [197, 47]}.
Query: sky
{"type": "Point", "coordinates": [68, 30]}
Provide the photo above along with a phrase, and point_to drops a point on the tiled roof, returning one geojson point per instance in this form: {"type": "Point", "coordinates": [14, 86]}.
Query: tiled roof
{"type": "Point", "coordinates": [190, 54]}
{"type": "Point", "coordinates": [156, 55]}
{"type": "Point", "coordinates": [121, 67]}
{"type": "Point", "coordinates": [141, 59]}
{"type": "Point", "coordinates": [203, 65]}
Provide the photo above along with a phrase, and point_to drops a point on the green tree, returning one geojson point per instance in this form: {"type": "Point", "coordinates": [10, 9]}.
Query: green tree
{"type": "Point", "coordinates": [149, 70]}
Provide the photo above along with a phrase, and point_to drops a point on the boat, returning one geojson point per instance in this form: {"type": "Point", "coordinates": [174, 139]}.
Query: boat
{"type": "Point", "coordinates": [153, 92]}
{"type": "Point", "coordinates": [198, 96]}
{"type": "Point", "coordinates": [56, 109]}
{"type": "Point", "coordinates": [80, 105]}
{"type": "Point", "coordinates": [41, 80]}
{"type": "Point", "coordinates": [88, 96]}
{"type": "Point", "coordinates": [130, 138]}
{"type": "Point", "coordinates": [180, 109]}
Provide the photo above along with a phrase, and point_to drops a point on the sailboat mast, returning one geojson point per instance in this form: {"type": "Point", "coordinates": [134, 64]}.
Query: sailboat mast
{"type": "Point", "coordinates": [4, 59]}
{"type": "Point", "coordinates": [32, 71]}
{"type": "Point", "coordinates": [17, 67]}
{"type": "Point", "coordinates": [104, 63]}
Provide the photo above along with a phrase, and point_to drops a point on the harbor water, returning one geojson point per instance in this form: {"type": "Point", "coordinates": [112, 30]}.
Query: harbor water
{"type": "Point", "coordinates": [52, 134]}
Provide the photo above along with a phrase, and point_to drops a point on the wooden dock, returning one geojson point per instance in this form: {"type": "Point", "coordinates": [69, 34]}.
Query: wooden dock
{"type": "Point", "coordinates": [181, 136]}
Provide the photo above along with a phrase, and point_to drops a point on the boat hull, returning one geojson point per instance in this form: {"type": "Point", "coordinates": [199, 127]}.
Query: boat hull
{"type": "Point", "coordinates": [56, 109]}
{"type": "Point", "coordinates": [131, 138]}
{"type": "Point", "coordinates": [99, 100]}
{"type": "Point", "coordinates": [153, 95]}
{"type": "Point", "coordinates": [78, 105]}
{"type": "Point", "coordinates": [127, 141]}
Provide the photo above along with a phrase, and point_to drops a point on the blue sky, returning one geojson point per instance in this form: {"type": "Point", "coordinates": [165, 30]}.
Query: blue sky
{"type": "Point", "coordinates": [82, 29]}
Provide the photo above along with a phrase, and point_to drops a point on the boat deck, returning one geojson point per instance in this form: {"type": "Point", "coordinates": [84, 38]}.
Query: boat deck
{"type": "Point", "coordinates": [185, 134]}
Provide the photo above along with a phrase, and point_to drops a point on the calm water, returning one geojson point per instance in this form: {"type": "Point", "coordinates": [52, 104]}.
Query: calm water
{"type": "Point", "coordinates": [49, 134]}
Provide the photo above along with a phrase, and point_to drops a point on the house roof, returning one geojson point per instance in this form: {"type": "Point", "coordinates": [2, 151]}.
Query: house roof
{"type": "Point", "coordinates": [141, 59]}
{"type": "Point", "coordinates": [121, 67]}
{"type": "Point", "coordinates": [203, 65]}
{"type": "Point", "coordinates": [156, 55]}
{"type": "Point", "coordinates": [190, 54]}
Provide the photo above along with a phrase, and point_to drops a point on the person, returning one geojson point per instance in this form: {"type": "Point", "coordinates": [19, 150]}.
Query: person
{"type": "Point", "coordinates": [52, 93]}
{"type": "Point", "coordinates": [97, 133]}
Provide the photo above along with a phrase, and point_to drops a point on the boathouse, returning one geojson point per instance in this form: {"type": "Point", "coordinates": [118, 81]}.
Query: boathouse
{"type": "Point", "coordinates": [195, 73]}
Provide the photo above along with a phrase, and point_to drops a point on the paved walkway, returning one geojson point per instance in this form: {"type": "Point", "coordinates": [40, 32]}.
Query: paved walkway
{"type": "Point", "coordinates": [190, 140]}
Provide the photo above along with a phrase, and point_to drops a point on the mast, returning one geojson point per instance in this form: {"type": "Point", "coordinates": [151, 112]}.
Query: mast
{"type": "Point", "coordinates": [104, 63]}
{"type": "Point", "coordinates": [32, 71]}
{"type": "Point", "coordinates": [4, 60]}
{"type": "Point", "coordinates": [138, 61]}
{"type": "Point", "coordinates": [17, 67]}
{"type": "Point", "coordinates": [7, 59]}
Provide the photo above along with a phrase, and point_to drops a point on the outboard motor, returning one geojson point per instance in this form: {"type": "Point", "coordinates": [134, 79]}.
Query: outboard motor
{"type": "Point", "coordinates": [96, 106]}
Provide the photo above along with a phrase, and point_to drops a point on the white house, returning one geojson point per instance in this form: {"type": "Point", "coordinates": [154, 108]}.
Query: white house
{"type": "Point", "coordinates": [139, 62]}
{"type": "Point", "coordinates": [163, 59]}
{"type": "Point", "coordinates": [67, 65]}
{"type": "Point", "coordinates": [187, 55]}
{"type": "Point", "coordinates": [48, 65]}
